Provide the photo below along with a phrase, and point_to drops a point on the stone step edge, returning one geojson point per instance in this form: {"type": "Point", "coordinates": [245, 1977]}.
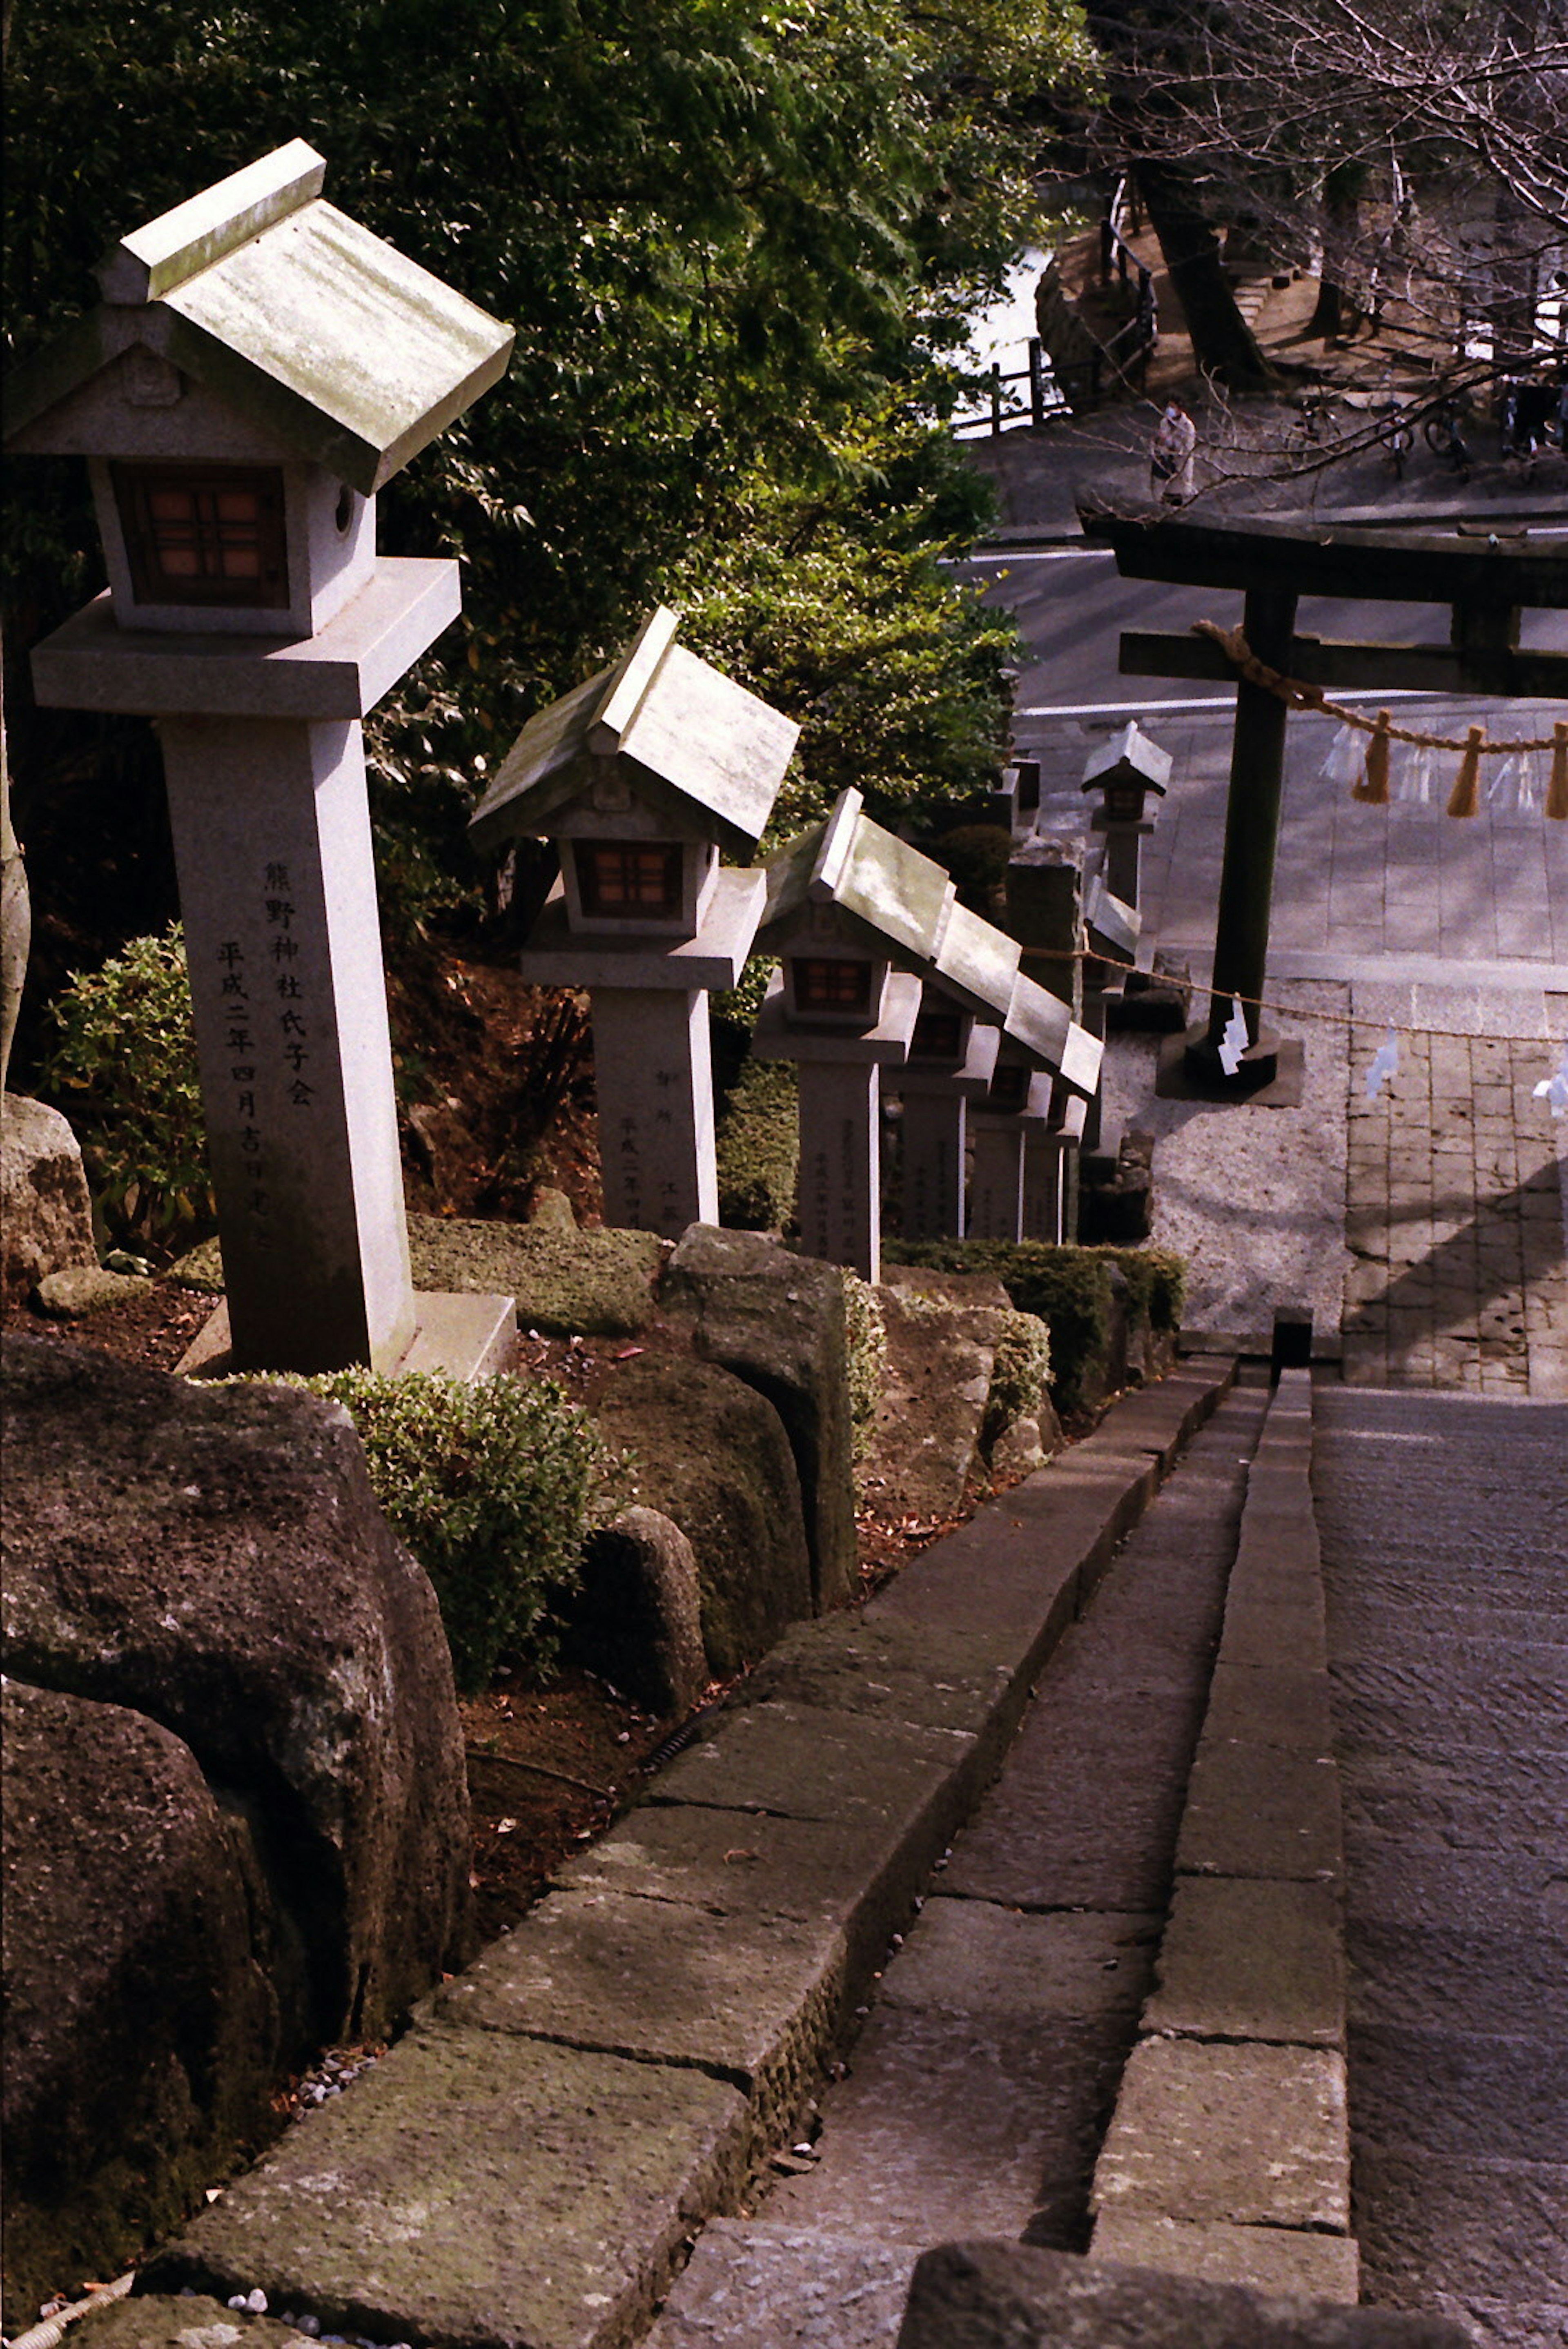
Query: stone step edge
{"type": "Point", "coordinates": [1120, 1466]}
{"type": "Point", "coordinates": [1133, 2222]}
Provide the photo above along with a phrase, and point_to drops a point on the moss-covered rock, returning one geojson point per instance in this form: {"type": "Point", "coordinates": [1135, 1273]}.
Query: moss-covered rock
{"type": "Point", "coordinates": [1103, 1305]}
{"type": "Point", "coordinates": [566, 1283]}
{"type": "Point", "coordinates": [779, 1321]}
{"type": "Point", "coordinates": [711, 1454]}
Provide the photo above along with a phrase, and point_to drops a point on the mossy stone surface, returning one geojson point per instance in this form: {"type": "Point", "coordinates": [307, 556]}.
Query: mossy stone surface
{"type": "Point", "coordinates": [481, 2190]}
{"type": "Point", "coordinates": [566, 1283]}
{"type": "Point", "coordinates": [181, 2321]}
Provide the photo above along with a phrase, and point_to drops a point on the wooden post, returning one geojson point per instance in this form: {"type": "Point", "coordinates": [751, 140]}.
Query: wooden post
{"type": "Point", "coordinates": [1251, 833]}
{"type": "Point", "coordinates": [1036, 382]}
{"type": "Point", "coordinates": [996, 400]}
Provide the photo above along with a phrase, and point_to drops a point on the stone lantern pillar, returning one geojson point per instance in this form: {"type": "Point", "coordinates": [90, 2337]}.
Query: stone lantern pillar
{"type": "Point", "coordinates": [952, 1058]}
{"type": "Point", "coordinates": [260, 366]}
{"type": "Point", "coordinates": [640, 777]}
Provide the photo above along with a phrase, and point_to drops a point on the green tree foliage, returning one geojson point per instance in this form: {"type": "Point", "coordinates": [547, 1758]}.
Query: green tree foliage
{"type": "Point", "coordinates": [736, 242]}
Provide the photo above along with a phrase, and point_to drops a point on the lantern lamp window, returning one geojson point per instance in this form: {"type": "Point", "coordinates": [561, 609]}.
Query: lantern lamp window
{"type": "Point", "coordinates": [937, 1036]}
{"type": "Point", "coordinates": [1008, 1090]}
{"type": "Point", "coordinates": [629, 877]}
{"type": "Point", "coordinates": [827, 983]}
{"type": "Point", "coordinates": [204, 534]}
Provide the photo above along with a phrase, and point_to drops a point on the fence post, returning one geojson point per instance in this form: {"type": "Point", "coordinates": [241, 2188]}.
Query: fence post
{"type": "Point", "coordinates": [1036, 382]}
{"type": "Point", "coordinates": [996, 399]}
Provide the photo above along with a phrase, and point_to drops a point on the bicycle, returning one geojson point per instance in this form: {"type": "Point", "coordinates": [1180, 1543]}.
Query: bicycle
{"type": "Point", "coordinates": [1443, 432]}
{"type": "Point", "coordinates": [1398, 443]}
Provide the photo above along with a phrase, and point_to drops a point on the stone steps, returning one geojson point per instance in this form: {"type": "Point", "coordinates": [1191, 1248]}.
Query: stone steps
{"type": "Point", "coordinates": [529, 2164]}
{"type": "Point", "coordinates": [1229, 2155]}
{"type": "Point", "coordinates": [978, 2089]}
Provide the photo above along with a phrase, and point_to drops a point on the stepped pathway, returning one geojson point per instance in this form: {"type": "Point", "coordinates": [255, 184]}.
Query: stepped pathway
{"type": "Point", "coordinates": [1444, 1523]}
{"type": "Point", "coordinates": [983, 2080]}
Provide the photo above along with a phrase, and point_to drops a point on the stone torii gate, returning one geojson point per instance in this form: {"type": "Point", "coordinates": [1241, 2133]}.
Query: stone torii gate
{"type": "Point", "coordinates": [1487, 581]}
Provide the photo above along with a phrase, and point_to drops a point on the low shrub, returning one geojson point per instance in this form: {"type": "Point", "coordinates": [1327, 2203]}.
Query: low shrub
{"type": "Point", "coordinates": [865, 1337]}
{"type": "Point", "coordinates": [1020, 1376]}
{"type": "Point", "coordinates": [492, 1486]}
{"type": "Point", "coordinates": [122, 1068]}
{"type": "Point", "coordinates": [758, 1144]}
{"type": "Point", "coordinates": [1157, 1283]}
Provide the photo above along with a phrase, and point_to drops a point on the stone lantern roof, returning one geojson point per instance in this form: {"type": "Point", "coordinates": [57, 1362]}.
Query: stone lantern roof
{"type": "Point", "coordinates": [903, 906]}
{"type": "Point", "coordinates": [292, 317]}
{"type": "Point", "coordinates": [683, 736]}
{"type": "Point", "coordinates": [1130, 757]}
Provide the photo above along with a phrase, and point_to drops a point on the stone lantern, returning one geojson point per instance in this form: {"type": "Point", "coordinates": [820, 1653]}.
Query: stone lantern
{"type": "Point", "coordinates": [259, 367]}
{"type": "Point", "coordinates": [1124, 774]}
{"type": "Point", "coordinates": [641, 777]}
{"type": "Point", "coordinates": [873, 942]}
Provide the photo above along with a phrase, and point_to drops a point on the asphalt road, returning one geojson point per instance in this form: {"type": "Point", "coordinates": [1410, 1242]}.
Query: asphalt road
{"type": "Point", "coordinates": [1072, 604]}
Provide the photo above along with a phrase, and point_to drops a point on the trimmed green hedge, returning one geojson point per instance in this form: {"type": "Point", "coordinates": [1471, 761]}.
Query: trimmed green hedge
{"type": "Point", "coordinates": [758, 1144]}
{"type": "Point", "coordinates": [1069, 1289]}
{"type": "Point", "coordinates": [492, 1487]}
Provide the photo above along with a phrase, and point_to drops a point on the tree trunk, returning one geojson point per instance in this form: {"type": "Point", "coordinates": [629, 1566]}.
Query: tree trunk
{"type": "Point", "coordinates": [1223, 343]}
{"type": "Point", "coordinates": [1340, 217]}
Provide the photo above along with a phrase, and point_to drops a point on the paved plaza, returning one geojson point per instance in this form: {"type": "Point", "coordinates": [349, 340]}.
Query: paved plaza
{"type": "Point", "coordinates": [1426, 1226]}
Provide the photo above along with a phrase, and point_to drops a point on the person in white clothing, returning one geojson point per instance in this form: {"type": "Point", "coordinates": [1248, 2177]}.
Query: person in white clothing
{"type": "Point", "coordinates": [1171, 458]}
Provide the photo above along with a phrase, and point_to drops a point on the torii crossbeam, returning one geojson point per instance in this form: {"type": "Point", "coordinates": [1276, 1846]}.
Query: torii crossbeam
{"type": "Point", "coordinates": [1487, 579]}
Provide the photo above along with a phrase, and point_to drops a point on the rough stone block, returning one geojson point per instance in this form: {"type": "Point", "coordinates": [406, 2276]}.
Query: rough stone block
{"type": "Point", "coordinates": [480, 2191]}
{"type": "Point", "coordinates": [143, 2037]}
{"type": "Point", "coordinates": [858, 1880]}
{"type": "Point", "coordinates": [799, 1763]}
{"type": "Point", "coordinates": [1254, 1810]}
{"type": "Point", "coordinates": [45, 1214]}
{"type": "Point", "coordinates": [214, 1558]}
{"type": "Point", "coordinates": [890, 1672]}
{"type": "Point", "coordinates": [751, 1999]}
{"type": "Point", "coordinates": [712, 1455]}
{"type": "Point", "coordinates": [1242, 1959]}
{"type": "Point", "coordinates": [594, 1284]}
{"type": "Point", "coordinates": [1251, 2136]}
{"type": "Point", "coordinates": [776, 1319]}
{"type": "Point", "coordinates": [638, 1618]}
{"type": "Point", "coordinates": [786, 2287]}
{"type": "Point", "coordinates": [1291, 1636]}
{"type": "Point", "coordinates": [941, 1353]}
{"type": "Point", "coordinates": [77, 1291]}
{"type": "Point", "coordinates": [989, 2295]}
{"type": "Point", "coordinates": [1276, 2260]}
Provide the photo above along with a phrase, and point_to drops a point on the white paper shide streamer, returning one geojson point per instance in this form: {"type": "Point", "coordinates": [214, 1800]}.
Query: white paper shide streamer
{"type": "Point", "coordinates": [1385, 1064]}
{"type": "Point", "coordinates": [1554, 1090]}
{"type": "Point", "coordinates": [1234, 1042]}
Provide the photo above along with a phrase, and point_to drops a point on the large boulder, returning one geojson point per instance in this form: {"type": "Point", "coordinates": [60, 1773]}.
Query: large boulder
{"type": "Point", "coordinates": [776, 1319]}
{"type": "Point", "coordinates": [711, 1453]}
{"type": "Point", "coordinates": [214, 1558]}
{"type": "Point", "coordinates": [144, 2031]}
{"type": "Point", "coordinates": [942, 1330]}
{"type": "Point", "coordinates": [638, 1618]}
{"type": "Point", "coordinates": [45, 1214]}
